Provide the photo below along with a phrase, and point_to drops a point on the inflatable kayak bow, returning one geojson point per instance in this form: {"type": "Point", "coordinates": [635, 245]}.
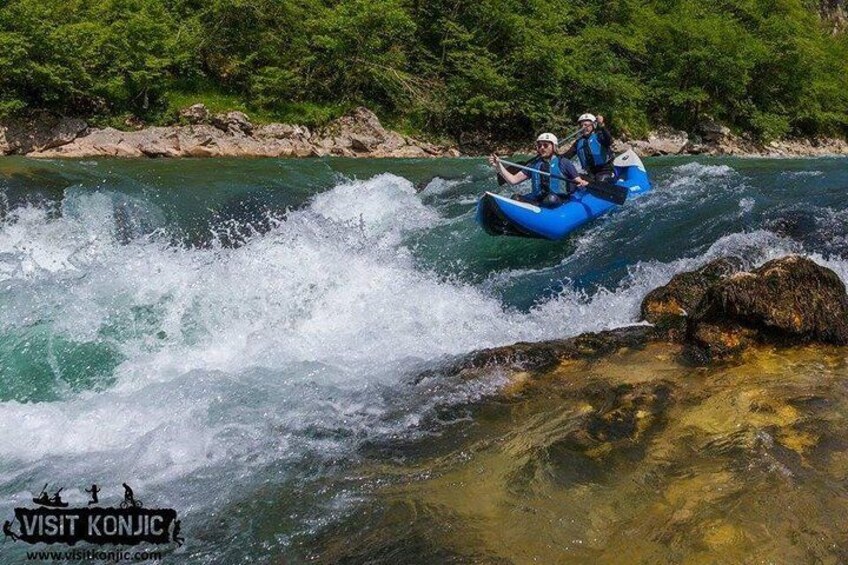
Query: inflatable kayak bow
{"type": "Point", "coordinates": [503, 216]}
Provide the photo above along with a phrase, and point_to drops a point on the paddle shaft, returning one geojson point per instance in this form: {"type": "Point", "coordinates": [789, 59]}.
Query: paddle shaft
{"type": "Point", "coordinates": [567, 138]}
{"type": "Point", "coordinates": [606, 191]}
{"type": "Point", "coordinates": [571, 136]}
{"type": "Point", "coordinates": [532, 170]}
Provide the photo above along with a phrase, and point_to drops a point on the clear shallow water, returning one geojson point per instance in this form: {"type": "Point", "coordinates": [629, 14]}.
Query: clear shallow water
{"type": "Point", "coordinates": [633, 458]}
{"type": "Point", "coordinates": [239, 338]}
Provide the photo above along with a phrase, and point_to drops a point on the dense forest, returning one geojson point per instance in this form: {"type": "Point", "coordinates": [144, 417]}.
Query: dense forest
{"type": "Point", "coordinates": [500, 69]}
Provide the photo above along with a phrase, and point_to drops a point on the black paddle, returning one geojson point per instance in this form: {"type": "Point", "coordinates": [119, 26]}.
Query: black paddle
{"type": "Point", "coordinates": [603, 190]}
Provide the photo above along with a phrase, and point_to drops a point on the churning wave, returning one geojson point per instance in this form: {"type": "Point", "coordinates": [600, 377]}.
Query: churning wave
{"type": "Point", "coordinates": [164, 360]}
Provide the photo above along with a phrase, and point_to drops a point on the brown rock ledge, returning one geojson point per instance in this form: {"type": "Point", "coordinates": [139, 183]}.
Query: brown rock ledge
{"type": "Point", "coordinates": [715, 312]}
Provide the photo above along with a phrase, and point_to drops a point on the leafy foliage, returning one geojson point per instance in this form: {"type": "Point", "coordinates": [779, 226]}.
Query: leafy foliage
{"type": "Point", "coordinates": [493, 68]}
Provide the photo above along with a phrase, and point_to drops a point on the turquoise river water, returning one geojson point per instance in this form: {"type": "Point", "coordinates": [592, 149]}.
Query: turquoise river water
{"type": "Point", "coordinates": [240, 339]}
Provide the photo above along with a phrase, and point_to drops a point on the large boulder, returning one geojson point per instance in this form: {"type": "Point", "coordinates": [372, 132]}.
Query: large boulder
{"type": "Point", "coordinates": [234, 123]}
{"type": "Point", "coordinates": [360, 133]}
{"type": "Point", "coordinates": [713, 132]}
{"type": "Point", "coordinates": [360, 130]}
{"type": "Point", "coordinates": [716, 312]}
{"type": "Point", "coordinates": [785, 301]}
{"type": "Point", "coordinates": [668, 307]}
{"type": "Point", "coordinates": [195, 114]}
{"type": "Point", "coordinates": [38, 132]}
{"type": "Point", "coordinates": [662, 142]}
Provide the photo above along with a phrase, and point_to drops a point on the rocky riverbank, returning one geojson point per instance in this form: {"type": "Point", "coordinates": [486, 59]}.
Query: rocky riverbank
{"type": "Point", "coordinates": [358, 134]}
{"type": "Point", "coordinates": [201, 134]}
{"type": "Point", "coordinates": [711, 138]}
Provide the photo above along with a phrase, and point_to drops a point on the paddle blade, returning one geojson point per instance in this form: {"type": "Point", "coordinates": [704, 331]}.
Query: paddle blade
{"type": "Point", "coordinates": [609, 192]}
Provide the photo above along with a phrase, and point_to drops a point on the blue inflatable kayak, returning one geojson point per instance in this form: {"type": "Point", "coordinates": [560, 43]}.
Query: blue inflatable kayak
{"type": "Point", "coordinates": [500, 215]}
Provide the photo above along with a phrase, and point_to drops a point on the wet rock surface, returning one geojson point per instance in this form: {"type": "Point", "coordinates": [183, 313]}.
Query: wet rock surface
{"type": "Point", "coordinates": [716, 311]}
{"type": "Point", "coordinates": [542, 356]}
{"type": "Point", "coordinates": [669, 306]}
{"type": "Point", "coordinates": [789, 301]}
{"type": "Point", "coordinates": [720, 310]}
{"type": "Point", "coordinates": [614, 443]}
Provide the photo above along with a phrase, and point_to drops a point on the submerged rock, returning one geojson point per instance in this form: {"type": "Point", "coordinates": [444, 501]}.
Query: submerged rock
{"type": "Point", "coordinates": [658, 461]}
{"type": "Point", "coordinates": [625, 413]}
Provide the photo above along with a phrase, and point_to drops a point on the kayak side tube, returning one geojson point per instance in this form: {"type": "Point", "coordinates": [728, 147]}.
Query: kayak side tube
{"type": "Point", "coordinates": [499, 215]}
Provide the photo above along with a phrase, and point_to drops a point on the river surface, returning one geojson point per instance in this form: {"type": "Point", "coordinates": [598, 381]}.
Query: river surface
{"type": "Point", "coordinates": [241, 340]}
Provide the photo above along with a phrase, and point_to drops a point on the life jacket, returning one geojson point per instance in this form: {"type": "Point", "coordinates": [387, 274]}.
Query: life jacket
{"type": "Point", "coordinates": [591, 153]}
{"type": "Point", "coordinates": [543, 184]}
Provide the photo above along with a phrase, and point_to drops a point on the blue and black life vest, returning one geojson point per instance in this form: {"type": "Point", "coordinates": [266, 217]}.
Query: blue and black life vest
{"type": "Point", "coordinates": [591, 153]}
{"type": "Point", "coordinates": [542, 184]}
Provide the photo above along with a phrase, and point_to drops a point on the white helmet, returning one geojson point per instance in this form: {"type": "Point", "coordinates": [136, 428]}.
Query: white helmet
{"type": "Point", "coordinates": [586, 118]}
{"type": "Point", "coordinates": [548, 137]}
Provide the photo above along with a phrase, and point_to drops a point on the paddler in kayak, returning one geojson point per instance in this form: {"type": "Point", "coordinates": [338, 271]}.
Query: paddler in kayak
{"type": "Point", "coordinates": [547, 191]}
{"type": "Point", "coordinates": [593, 148]}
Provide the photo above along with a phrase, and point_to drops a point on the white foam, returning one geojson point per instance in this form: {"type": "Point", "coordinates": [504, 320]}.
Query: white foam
{"type": "Point", "coordinates": [694, 177]}
{"type": "Point", "coordinates": [802, 174]}
{"type": "Point", "coordinates": [307, 320]}
{"type": "Point", "coordinates": [438, 185]}
{"type": "Point", "coordinates": [246, 349]}
{"type": "Point", "coordinates": [746, 205]}
{"type": "Point", "coordinates": [385, 203]}
{"type": "Point", "coordinates": [703, 170]}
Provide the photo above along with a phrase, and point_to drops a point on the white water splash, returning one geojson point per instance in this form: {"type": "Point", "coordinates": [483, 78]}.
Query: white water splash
{"type": "Point", "coordinates": [284, 346]}
{"type": "Point", "coordinates": [802, 174]}
{"type": "Point", "coordinates": [746, 205]}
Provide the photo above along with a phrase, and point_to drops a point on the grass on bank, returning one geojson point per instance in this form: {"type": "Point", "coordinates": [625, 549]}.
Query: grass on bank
{"type": "Point", "coordinates": [312, 115]}
{"type": "Point", "coordinates": [301, 113]}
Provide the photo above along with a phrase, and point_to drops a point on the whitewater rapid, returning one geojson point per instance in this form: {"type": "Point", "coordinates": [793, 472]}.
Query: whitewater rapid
{"type": "Point", "coordinates": [212, 362]}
